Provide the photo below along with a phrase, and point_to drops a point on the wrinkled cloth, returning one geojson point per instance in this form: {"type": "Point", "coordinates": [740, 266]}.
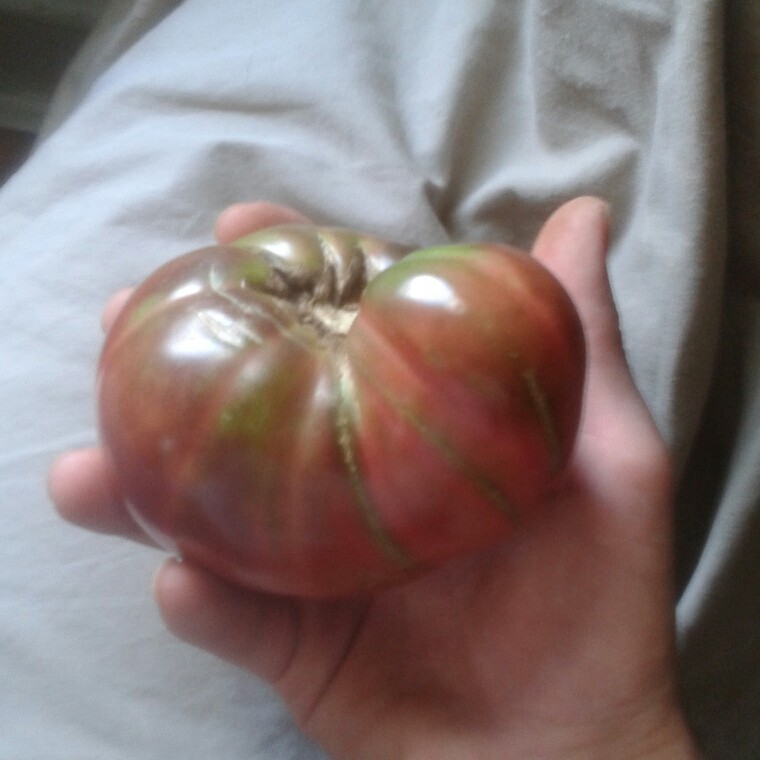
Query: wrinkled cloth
{"type": "Point", "coordinates": [423, 122]}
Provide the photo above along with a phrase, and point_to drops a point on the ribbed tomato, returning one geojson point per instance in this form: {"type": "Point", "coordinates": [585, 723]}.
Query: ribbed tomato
{"type": "Point", "coordinates": [317, 412]}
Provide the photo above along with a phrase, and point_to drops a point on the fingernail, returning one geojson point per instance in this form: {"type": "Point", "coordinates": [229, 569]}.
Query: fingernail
{"type": "Point", "coordinates": [594, 222]}
{"type": "Point", "coordinates": [597, 206]}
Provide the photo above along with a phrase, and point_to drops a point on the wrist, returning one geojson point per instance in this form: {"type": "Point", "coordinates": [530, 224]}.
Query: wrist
{"type": "Point", "coordinates": [665, 737]}
{"type": "Point", "coordinates": [670, 740]}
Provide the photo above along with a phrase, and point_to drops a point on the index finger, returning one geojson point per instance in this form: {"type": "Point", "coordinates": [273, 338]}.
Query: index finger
{"type": "Point", "coordinates": [83, 491]}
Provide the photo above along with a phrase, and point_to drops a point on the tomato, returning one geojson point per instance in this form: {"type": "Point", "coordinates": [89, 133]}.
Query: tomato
{"type": "Point", "coordinates": [313, 411]}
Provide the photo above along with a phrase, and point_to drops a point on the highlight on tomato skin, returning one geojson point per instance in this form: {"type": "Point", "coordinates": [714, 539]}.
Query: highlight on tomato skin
{"type": "Point", "coordinates": [318, 412]}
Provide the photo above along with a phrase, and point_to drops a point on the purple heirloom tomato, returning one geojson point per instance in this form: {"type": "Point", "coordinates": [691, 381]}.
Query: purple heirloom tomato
{"type": "Point", "coordinates": [317, 412]}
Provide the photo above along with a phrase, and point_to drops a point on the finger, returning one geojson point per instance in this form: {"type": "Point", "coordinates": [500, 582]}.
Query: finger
{"type": "Point", "coordinates": [233, 222]}
{"type": "Point", "coordinates": [113, 306]}
{"type": "Point", "coordinates": [254, 631]}
{"type": "Point", "coordinates": [244, 218]}
{"type": "Point", "coordinates": [83, 493]}
{"type": "Point", "coordinates": [617, 427]}
{"type": "Point", "coordinates": [573, 245]}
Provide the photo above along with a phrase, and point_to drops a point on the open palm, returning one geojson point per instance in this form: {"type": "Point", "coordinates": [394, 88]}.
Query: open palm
{"type": "Point", "coordinates": [556, 644]}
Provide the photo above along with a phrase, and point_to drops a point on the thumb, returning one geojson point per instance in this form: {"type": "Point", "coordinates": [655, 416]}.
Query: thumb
{"type": "Point", "coordinates": [619, 445]}
{"type": "Point", "coordinates": [572, 244]}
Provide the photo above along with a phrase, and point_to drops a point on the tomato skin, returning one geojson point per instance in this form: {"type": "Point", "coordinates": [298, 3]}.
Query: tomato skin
{"type": "Point", "coordinates": [316, 412]}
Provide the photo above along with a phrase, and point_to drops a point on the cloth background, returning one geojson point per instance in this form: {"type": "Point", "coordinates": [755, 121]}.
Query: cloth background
{"type": "Point", "coordinates": [425, 122]}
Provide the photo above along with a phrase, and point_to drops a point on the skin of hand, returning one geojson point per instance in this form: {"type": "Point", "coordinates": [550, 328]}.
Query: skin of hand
{"type": "Point", "coordinates": [557, 644]}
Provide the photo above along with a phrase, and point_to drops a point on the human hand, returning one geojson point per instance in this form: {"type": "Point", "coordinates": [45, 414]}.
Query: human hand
{"type": "Point", "coordinates": [556, 644]}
